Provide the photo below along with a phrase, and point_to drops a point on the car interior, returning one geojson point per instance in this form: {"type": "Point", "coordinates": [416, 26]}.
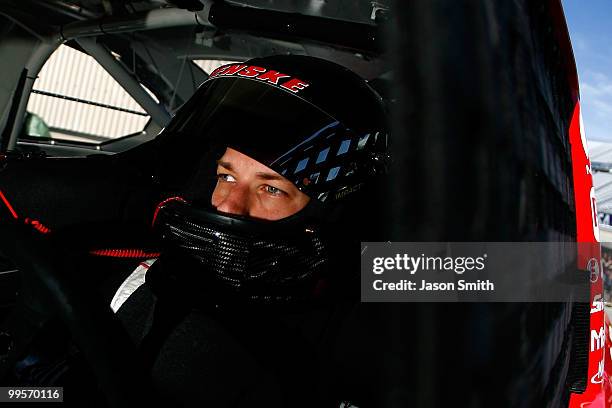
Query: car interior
{"type": "Point", "coordinates": [479, 95]}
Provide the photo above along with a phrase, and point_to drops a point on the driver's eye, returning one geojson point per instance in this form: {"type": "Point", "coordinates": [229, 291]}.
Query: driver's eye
{"type": "Point", "coordinates": [226, 177]}
{"type": "Point", "coordinates": [273, 190]}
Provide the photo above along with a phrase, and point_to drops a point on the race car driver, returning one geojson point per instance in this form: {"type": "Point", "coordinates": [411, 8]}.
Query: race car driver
{"type": "Point", "coordinates": [282, 153]}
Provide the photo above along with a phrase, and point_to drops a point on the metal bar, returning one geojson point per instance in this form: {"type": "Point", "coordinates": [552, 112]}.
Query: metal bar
{"type": "Point", "coordinates": [101, 105]}
{"type": "Point", "coordinates": [5, 142]}
{"type": "Point", "coordinates": [149, 20]}
{"type": "Point", "coordinates": [294, 26]}
{"type": "Point", "coordinates": [38, 58]}
{"type": "Point", "coordinates": [157, 112]}
{"type": "Point", "coordinates": [67, 9]}
{"type": "Point", "coordinates": [68, 132]}
{"type": "Point", "coordinates": [277, 24]}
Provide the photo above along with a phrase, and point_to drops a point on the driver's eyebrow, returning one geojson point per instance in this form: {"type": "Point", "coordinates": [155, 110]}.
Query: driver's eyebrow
{"type": "Point", "coordinates": [270, 176]}
{"type": "Point", "coordinates": [226, 165]}
{"type": "Point", "coordinates": [260, 174]}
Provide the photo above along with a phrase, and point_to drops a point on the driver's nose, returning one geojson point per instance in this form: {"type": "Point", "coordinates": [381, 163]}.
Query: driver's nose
{"type": "Point", "coordinates": [235, 201]}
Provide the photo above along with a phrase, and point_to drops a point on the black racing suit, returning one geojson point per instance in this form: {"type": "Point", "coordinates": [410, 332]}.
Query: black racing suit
{"type": "Point", "coordinates": [206, 349]}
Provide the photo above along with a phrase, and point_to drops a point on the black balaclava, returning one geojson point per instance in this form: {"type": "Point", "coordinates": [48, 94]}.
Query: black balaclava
{"type": "Point", "coordinates": [312, 121]}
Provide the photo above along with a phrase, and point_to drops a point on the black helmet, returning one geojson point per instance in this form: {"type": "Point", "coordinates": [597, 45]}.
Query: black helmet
{"type": "Point", "coordinates": [316, 123]}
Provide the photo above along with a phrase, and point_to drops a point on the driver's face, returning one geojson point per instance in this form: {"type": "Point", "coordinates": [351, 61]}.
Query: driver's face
{"type": "Point", "coordinates": [247, 187]}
